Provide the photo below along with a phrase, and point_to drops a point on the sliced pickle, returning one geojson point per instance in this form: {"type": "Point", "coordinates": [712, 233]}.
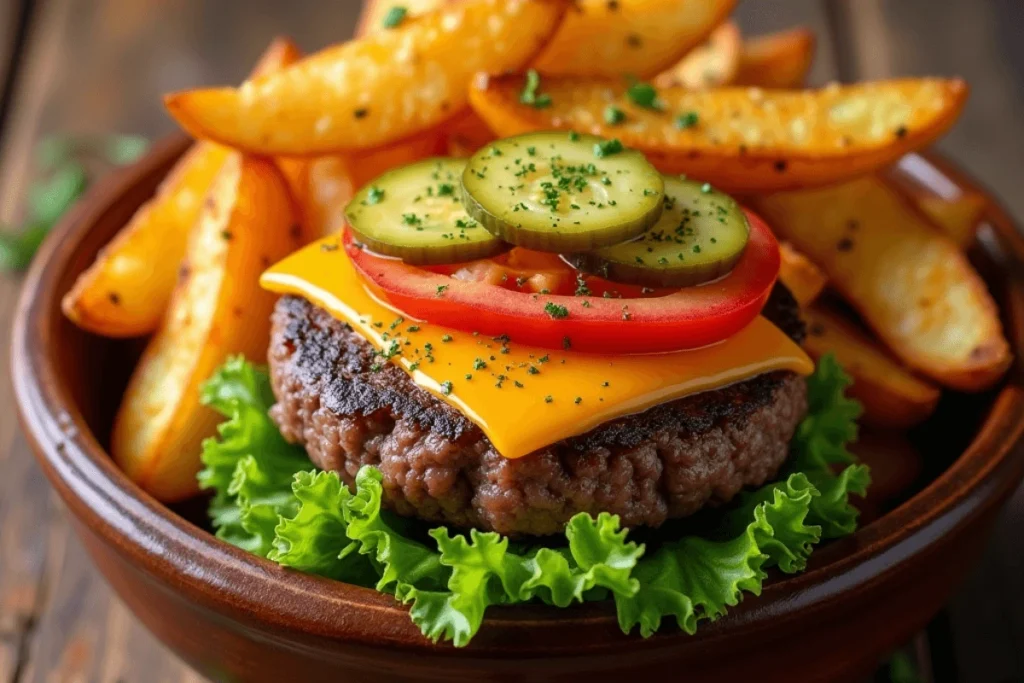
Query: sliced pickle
{"type": "Point", "coordinates": [416, 213]}
{"type": "Point", "coordinates": [700, 237]}
{"type": "Point", "coordinates": [559, 191]}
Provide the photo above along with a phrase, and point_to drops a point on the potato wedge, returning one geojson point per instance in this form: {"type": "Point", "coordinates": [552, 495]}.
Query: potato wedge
{"type": "Point", "coordinates": [911, 284]}
{"type": "Point", "coordinates": [126, 291]}
{"type": "Point", "coordinates": [711, 65]}
{"type": "Point", "coordinates": [634, 37]}
{"type": "Point", "coordinates": [218, 309]}
{"type": "Point", "coordinates": [802, 278]}
{"type": "Point", "coordinates": [778, 60]}
{"type": "Point", "coordinates": [374, 91]}
{"type": "Point", "coordinates": [958, 218]}
{"type": "Point", "coordinates": [891, 395]}
{"type": "Point", "coordinates": [746, 139]}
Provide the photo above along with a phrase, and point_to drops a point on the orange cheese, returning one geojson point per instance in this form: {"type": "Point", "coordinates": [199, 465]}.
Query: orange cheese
{"type": "Point", "coordinates": [525, 398]}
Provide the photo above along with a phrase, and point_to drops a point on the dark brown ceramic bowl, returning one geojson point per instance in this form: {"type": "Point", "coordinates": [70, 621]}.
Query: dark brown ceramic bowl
{"type": "Point", "coordinates": [234, 616]}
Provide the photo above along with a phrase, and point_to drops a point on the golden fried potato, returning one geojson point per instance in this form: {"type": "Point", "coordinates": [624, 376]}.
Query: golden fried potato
{"type": "Point", "coordinates": [217, 309]}
{"type": "Point", "coordinates": [958, 218]}
{"type": "Point", "coordinates": [630, 37]}
{"type": "Point", "coordinates": [374, 91]}
{"type": "Point", "coordinates": [891, 395]}
{"type": "Point", "coordinates": [711, 65]}
{"type": "Point", "coordinates": [744, 139]}
{"type": "Point", "coordinates": [778, 60]}
{"type": "Point", "coordinates": [125, 292]}
{"type": "Point", "coordinates": [802, 278]}
{"type": "Point", "coordinates": [911, 284]}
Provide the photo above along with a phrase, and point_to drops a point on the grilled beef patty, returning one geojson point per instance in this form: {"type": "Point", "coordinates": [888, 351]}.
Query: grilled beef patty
{"type": "Point", "coordinates": [669, 461]}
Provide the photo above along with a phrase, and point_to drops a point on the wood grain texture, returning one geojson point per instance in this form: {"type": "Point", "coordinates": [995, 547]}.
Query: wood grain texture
{"type": "Point", "coordinates": [979, 41]}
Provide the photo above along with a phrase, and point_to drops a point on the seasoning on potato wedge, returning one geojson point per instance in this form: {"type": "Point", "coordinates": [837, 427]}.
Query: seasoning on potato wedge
{"type": "Point", "coordinates": [890, 394]}
{"type": "Point", "coordinates": [958, 217]}
{"type": "Point", "coordinates": [739, 139]}
{"type": "Point", "coordinates": [382, 15]}
{"type": "Point", "coordinates": [777, 60]}
{"type": "Point", "coordinates": [126, 291]}
{"type": "Point", "coordinates": [802, 278]}
{"type": "Point", "coordinates": [636, 37]}
{"type": "Point", "coordinates": [376, 90]}
{"type": "Point", "coordinates": [911, 284]}
{"type": "Point", "coordinates": [713, 64]}
{"type": "Point", "coordinates": [217, 309]}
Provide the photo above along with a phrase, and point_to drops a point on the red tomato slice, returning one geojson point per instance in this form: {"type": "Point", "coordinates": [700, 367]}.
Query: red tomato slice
{"type": "Point", "coordinates": [684, 319]}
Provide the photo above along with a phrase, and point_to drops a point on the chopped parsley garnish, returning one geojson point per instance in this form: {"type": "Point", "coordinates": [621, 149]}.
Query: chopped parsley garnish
{"type": "Point", "coordinates": [556, 311]}
{"type": "Point", "coordinates": [411, 219]}
{"type": "Point", "coordinates": [613, 116]}
{"type": "Point", "coordinates": [549, 399]}
{"type": "Point", "coordinates": [606, 148]}
{"type": "Point", "coordinates": [446, 388]}
{"type": "Point", "coordinates": [479, 364]}
{"type": "Point", "coordinates": [394, 17]}
{"type": "Point", "coordinates": [446, 338]}
{"type": "Point", "coordinates": [581, 286]}
{"type": "Point", "coordinates": [687, 120]}
{"type": "Point", "coordinates": [578, 400]}
{"type": "Point", "coordinates": [644, 95]}
{"type": "Point", "coordinates": [573, 136]}
{"type": "Point", "coordinates": [441, 289]}
{"type": "Point", "coordinates": [375, 195]}
{"type": "Point", "coordinates": [531, 95]}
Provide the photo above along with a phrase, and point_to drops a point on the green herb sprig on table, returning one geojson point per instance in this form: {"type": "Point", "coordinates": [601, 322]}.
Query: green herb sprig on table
{"type": "Point", "coordinates": [62, 162]}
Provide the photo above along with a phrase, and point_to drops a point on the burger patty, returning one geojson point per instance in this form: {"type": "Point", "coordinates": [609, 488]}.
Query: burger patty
{"type": "Point", "coordinates": [667, 462]}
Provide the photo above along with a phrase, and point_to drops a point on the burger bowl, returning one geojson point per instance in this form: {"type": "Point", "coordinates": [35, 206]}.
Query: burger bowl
{"type": "Point", "coordinates": [235, 616]}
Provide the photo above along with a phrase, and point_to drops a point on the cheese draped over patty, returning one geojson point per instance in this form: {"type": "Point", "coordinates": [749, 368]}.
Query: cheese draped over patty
{"type": "Point", "coordinates": [525, 398]}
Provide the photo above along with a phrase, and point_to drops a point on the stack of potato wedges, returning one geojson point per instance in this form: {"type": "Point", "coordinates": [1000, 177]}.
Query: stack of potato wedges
{"type": "Point", "coordinates": [877, 264]}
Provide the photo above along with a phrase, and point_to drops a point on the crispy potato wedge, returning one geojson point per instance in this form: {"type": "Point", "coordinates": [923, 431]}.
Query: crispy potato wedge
{"type": "Point", "coordinates": [126, 291]}
{"type": "Point", "coordinates": [374, 91]}
{"type": "Point", "coordinates": [778, 60]}
{"type": "Point", "coordinates": [911, 284]}
{"type": "Point", "coordinates": [218, 309]}
{"type": "Point", "coordinates": [746, 139]}
{"type": "Point", "coordinates": [802, 278]}
{"type": "Point", "coordinates": [635, 37]}
{"type": "Point", "coordinates": [892, 396]}
{"type": "Point", "coordinates": [958, 218]}
{"type": "Point", "coordinates": [711, 65]}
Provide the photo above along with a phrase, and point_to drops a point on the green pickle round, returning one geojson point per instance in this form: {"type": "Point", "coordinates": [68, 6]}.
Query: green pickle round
{"type": "Point", "coordinates": [559, 192]}
{"type": "Point", "coordinates": [699, 238]}
{"type": "Point", "coordinates": [416, 214]}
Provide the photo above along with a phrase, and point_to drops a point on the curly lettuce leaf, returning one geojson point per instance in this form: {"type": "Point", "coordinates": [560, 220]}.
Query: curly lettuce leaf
{"type": "Point", "coordinates": [249, 465]}
{"type": "Point", "coordinates": [830, 426]}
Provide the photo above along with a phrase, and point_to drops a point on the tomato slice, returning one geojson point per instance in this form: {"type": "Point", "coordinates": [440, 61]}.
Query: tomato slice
{"type": "Point", "coordinates": [683, 319]}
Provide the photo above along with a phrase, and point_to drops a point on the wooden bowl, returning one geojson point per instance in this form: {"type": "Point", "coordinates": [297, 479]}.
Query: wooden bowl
{"type": "Point", "coordinates": [234, 616]}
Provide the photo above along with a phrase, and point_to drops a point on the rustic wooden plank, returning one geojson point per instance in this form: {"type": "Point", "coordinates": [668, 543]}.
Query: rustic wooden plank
{"type": "Point", "coordinates": [95, 68]}
{"type": "Point", "coordinates": [980, 42]}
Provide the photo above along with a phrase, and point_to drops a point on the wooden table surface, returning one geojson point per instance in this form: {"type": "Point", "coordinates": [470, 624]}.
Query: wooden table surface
{"type": "Point", "coordinates": [95, 66]}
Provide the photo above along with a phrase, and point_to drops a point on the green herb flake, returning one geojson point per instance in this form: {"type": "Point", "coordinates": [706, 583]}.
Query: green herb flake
{"type": "Point", "coordinates": [531, 95]}
{"type": "Point", "coordinates": [607, 148]}
{"type": "Point", "coordinates": [687, 120]}
{"type": "Point", "coordinates": [644, 95]}
{"type": "Point", "coordinates": [556, 311]}
{"type": "Point", "coordinates": [446, 388]}
{"type": "Point", "coordinates": [395, 16]}
{"type": "Point", "coordinates": [613, 116]}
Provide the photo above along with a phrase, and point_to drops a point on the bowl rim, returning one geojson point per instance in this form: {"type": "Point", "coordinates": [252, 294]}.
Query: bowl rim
{"type": "Point", "coordinates": [231, 582]}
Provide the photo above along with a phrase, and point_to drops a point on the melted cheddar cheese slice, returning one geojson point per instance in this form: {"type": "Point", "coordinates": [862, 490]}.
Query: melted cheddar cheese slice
{"type": "Point", "coordinates": [525, 398]}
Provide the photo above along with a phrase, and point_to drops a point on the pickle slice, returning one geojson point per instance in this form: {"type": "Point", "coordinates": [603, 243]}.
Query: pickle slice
{"type": "Point", "coordinates": [699, 238]}
{"type": "Point", "coordinates": [559, 192]}
{"type": "Point", "coordinates": [416, 213]}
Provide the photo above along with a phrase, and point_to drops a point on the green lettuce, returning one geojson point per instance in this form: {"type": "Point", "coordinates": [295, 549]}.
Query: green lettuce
{"type": "Point", "coordinates": [269, 499]}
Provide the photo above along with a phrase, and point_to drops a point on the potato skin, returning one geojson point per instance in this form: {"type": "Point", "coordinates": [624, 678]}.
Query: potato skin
{"type": "Point", "coordinates": [217, 309]}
